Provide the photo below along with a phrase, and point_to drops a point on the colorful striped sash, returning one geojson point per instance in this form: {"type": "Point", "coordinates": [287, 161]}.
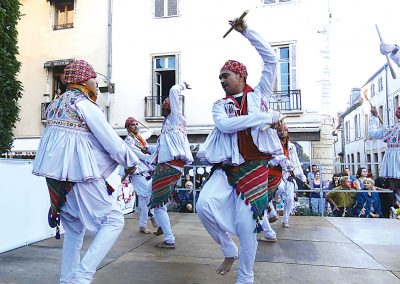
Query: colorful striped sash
{"type": "Point", "coordinates": [58, 191]}
{"type": "Point", "coordinates": [164, 181]}
{"type": "Point", "coordinates": [256, 183]}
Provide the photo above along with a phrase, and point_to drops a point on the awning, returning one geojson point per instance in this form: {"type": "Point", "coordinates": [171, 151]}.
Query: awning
{"type": "Point", "coordinates": [24, 146]}
{"type": "Point", "coordinates": [54, 63]}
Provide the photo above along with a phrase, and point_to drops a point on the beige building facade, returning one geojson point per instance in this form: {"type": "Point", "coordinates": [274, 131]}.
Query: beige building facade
{"type": "Point", "coordinates": [51, 34]}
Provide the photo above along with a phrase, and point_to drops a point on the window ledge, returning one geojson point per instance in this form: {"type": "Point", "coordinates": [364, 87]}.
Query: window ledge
{"type": "Point", "coordinates": [292, 112]}
{"type": "Point", "coordinates": [154, 118]}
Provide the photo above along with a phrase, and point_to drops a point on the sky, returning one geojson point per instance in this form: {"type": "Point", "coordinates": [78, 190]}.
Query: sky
{"type": "Point", "coordinates": [354, 42]}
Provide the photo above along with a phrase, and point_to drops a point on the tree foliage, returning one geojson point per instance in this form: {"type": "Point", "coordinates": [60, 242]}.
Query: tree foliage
{"type": "Point", "coordinates": [10, 87]}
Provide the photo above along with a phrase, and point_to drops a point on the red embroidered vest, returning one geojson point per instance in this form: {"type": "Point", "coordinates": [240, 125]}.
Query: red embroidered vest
{"type": "Point", "coordinates": [247, 148]}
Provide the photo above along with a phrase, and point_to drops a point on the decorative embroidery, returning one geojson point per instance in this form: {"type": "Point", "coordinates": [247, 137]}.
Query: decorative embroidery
{"type": "Point", "coordinates": [61, 112]}
{"type": "Point", "coordinates": [70, 124]}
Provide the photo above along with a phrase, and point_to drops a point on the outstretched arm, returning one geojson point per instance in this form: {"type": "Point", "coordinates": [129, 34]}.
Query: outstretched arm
{"type": "Point", "coordinates": [393, 49]}
{"type": "Point", "coordinates": [374, 132]}
{"type": "Point", "coordinates": [174, 92]}
{"type": "Point", "coordinates": [102, 130]}
{"type": "Point", "coordinates": [266, 52]}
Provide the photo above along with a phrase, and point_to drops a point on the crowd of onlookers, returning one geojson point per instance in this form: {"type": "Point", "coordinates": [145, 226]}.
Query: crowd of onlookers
{"type": "Point", "coordinates": [336, 197]}
{"type": "Point", "coordinates": [327, 199]}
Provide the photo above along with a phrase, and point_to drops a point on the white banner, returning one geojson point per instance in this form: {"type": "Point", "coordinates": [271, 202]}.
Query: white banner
{"type": "Point", "coordinates": [24, 204]}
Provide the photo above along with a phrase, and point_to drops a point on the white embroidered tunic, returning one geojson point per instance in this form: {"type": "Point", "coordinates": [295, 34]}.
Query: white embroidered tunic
{"type": "Point", "coordinates": [390, 166]}
{"type": "Point", "coordinates": [173, 143]}
{"type": "Point", "coordinates": [221, 144]}
{"type": "Point", "coordinates": [78, 144]}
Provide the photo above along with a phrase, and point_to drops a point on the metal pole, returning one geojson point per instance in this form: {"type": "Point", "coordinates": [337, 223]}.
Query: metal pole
{"type": "Point", "coordinates": [109, 52]}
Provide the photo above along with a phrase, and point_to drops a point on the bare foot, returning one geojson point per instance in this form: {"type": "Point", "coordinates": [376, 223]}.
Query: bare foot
{"type": "Point", "coordinates": [226, 265]}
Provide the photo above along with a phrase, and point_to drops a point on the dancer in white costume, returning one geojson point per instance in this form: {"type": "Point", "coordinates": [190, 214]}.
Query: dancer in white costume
{"type": "Point", "coordinates": [287, 186]}
{"type": "Point", "coordinates": [171, 155]}
{"type": "Point", "coordinates": [141, 181]}
{"type": "Point", "coordinates": [77, 152]}
{"type": "Point", "coordinates": [238, 147]}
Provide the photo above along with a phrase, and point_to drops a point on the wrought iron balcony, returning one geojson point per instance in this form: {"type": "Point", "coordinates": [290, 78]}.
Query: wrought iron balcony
{"type": "Point", "coordinates": [153, 104]}
{"type": "Point", "coordinates": [285, 101]}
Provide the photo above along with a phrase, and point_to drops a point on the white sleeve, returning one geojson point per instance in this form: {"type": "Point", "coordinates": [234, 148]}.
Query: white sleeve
{"type": "Point", "coordinates": [234, 124]}
{"type": "Point", "coordinates": [269, 59]}
{"type": "Point", "coordinates": [174, 93]}
{"type": "Point", "coordinates": [374, 132]}
{"type": "Point", "coordinates": [396, 57]}
{"type": "Point", "coordinates": [108, 138]}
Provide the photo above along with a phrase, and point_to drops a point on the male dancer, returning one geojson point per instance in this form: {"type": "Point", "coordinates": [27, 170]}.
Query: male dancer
{"type": "Point", "coordinates": [287, 186]}
{"type": "Point", "coordinates": [141, 181]}
{"type": "Point", "coordinates": [172, 154]}
{"type": "Point", "coordinates": [77, 152]}
{"type": "Point", "coordinates": [241, 148]}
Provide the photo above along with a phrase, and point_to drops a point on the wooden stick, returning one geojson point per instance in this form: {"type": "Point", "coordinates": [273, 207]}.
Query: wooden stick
{"type": "Point", "coordinates": [240, 18]}
{"type": "Point", "coordinates": [269, 125]}
{"type": "Point", "coordinates": [387, 57]}
{"type": "Point", "coordinates": [372, 106]}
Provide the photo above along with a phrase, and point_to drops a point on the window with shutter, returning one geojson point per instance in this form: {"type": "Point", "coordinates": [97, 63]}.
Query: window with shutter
{"type": "Point", "coordinates": [164, 77]}
{"type": "Point", "coordinates": [286, 96]}
{"type": "Point", "coordinates": [159, 8]}
{"type": "Point", "coordinates": [165, 8]}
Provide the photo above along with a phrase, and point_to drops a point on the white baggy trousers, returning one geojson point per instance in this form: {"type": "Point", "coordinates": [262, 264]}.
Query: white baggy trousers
{"type": "Point", "coordinates": [88, 206]}
{"type": "Point", "coordinates": [223, 212]}
{"type": "Point", "coordinates": [142, 186]}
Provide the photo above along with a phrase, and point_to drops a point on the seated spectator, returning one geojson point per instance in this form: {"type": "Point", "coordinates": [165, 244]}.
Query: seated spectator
{"type": "Point", "coordinates": [310, 175]}
{"type": "Point", "coordinates": [184, 198]}
{"type": "Point", "coordinates": [387, 198]}
{"type": "Point", "coordinates": [335, 181]}
{"type": "Point", "coordinates": [342, 203]}
{"type": "Point", "coordinates": [347, 172]}
{"type": "Point", "coordinates": [362, 173]}
{"type": "Point", "coordinates": [395, 211]}
{"type": "Point", "coordinates": [317, 201]}
{"type": "Point", "coordinates": [368, 204]}
{"type": "Point", "coordinates": [354, 183]}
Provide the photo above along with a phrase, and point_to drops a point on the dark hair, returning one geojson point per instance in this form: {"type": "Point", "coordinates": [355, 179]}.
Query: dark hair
{"type": "Point", "coordinates": [358, 175]}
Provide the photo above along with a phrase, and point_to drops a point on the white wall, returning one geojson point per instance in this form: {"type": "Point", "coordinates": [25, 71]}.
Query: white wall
{"type": "Point", "coordinates": [197, 35]}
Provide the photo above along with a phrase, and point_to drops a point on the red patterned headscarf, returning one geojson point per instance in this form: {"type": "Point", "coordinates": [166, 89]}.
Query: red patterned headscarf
{"type": "Point", "coordinates": [236, 67]}
{"type": "Point", "coordinates": [77, 71]}
{"type": "Point", "coordinates": [398, 113]}
{"type": "Point", "coordinates": [129, 121]}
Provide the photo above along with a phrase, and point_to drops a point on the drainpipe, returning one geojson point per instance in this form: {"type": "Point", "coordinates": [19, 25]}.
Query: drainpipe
{"type": "Point", "coordinates": [109, 52]}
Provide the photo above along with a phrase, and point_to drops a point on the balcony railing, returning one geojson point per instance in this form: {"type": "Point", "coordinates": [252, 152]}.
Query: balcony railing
{"type": "Point", "coordinates": [285, 100]}
{"type": "Point", "coordinates": [152, 107]}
